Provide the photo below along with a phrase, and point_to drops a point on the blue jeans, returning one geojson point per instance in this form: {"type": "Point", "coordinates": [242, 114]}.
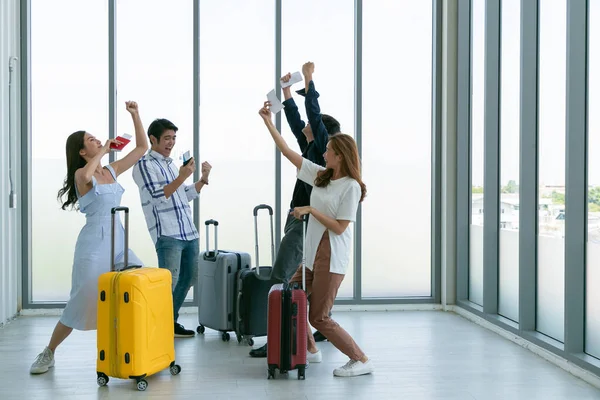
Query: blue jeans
{"type": "Point", "coordinates": [181, 258]}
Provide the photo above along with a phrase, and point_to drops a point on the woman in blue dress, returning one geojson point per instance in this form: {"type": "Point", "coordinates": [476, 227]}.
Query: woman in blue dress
{"type": "Point", "coordinates": [95, 190]}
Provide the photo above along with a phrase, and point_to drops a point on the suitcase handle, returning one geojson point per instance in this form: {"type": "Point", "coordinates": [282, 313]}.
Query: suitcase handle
{"type": "Point", "coordinates": [262, 207]}
{"type": "Point", "coordinates": [304, 225]}
{"type": "Point", "coordinates": [255, 212]}
{"type": "Point", "coordinates": [113, 212]}
{"type": "Point", "coordinates": [211, 255]}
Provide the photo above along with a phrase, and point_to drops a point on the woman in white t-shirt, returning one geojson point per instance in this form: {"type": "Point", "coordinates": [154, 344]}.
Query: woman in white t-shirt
{"type": "Point", "coordinates": [337, 191]}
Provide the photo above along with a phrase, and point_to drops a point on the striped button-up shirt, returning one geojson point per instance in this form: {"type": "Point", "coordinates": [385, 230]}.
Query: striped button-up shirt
{"type": "Point", "coordinates": [170, 217]}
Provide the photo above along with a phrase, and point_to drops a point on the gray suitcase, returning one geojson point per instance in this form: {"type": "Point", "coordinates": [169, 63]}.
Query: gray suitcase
{"type": "Point", "coordinates": [217, 271]}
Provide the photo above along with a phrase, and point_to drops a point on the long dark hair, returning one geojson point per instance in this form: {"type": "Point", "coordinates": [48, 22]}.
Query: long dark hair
{"type": "Point", "coordinates": [75, 143]}
{"type": "Point", "coordinates": [345, 146]}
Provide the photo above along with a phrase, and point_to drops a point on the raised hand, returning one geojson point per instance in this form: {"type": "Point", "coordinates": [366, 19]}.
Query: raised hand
{"type": "Point", "coordinates": [308, 68]}
{"type": "Point", "coordinates": [286, 77]}
{"type": "Point", "coordinates": [132, 107]}
{"type": "Point", "coordinates": [265, 112]}
{"type": "Point", "coordinates": [206, 167]}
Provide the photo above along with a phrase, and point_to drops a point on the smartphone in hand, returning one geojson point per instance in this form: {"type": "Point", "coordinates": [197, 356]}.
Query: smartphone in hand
{"type": "Point", "coordinates": [187, 158]}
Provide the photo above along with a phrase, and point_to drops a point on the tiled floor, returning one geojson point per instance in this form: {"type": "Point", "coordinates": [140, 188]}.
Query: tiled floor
{"type": "Point", "coordinates": [418, 355]}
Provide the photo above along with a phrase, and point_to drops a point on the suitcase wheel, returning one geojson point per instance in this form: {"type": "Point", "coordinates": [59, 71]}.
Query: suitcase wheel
{"type": "Point", "coordinates": [251, 342]}
{"type": "Point", "coordinates": [200, 329]}
{"type": "Point", "coordinates": [301, 373]}
{"type": "Point", "coordinates": [102, 379]}
{"type": "Point", "coordinates": [271, 373]}
{"type": "Point", "coordinates": [225, 336]}
{"type": "Point", "coordinates": [142, 385]}
{"type": "Point", "coordinates": [175, 369]}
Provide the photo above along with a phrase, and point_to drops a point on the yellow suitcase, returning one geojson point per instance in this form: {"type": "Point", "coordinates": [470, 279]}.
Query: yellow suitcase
{"type": "Point", "coordinates": [135, 337]}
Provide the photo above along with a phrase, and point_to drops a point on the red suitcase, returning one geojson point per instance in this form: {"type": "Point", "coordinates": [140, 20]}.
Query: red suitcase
{"type": "Point", "coordinates": [286, 324]}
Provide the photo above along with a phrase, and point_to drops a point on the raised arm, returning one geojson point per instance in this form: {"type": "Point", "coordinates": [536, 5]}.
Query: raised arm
{"type": "Point", "coordinates": [313, 110]}
{"type": "Point", "coordinates": [141, 141]}
{"type": "Point", "coordinates": [292, 115]}
{"type": "Point", "coordinates": [288, 153]}
{"type": "Point", "coordinates": [83, 176]}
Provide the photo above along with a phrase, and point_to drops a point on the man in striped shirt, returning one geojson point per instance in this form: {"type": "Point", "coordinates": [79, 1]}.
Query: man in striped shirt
{"type": "Point", "coordinates": [165, 200]}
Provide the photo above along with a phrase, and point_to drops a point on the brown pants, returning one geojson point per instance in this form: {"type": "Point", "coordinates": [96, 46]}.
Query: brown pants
{"type": "Point", "coordinates": [323, 286]}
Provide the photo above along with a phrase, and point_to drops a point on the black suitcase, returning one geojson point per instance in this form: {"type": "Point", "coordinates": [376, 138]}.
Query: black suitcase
{"type": "Point", "coordinates": [252, 289]}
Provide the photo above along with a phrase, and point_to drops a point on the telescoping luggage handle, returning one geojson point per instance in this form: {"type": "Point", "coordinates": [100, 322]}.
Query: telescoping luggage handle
{"type": "Point", "coordinates": [255, 212]}
{"type": "Point", "coordinates": [304, 223]}
{"type": "Point", "coordinates": [209, 254]}
{"type": "Point", "coordinates": [126, 265]}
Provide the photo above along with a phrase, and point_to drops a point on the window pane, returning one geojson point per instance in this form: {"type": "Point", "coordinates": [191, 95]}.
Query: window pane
{"type": "Point", "coordinates": [508, 304]}
{"type": "Point", "coordinates": [396, 237]}
{"type": "Point", "coordinates": [237, 59]}
{"type": "Point", "coordinates": [69, 81]}
{"type": "Point", "coordinates": [162, 88]}
{"type": "Point", "coordinates": [329, 43]}
{"type": "Point", "coordinates": [477, 110]}
{"type": "Point", "coordinates": [592, 329]}
{"type": "Point", "coordinates": [551, 173]}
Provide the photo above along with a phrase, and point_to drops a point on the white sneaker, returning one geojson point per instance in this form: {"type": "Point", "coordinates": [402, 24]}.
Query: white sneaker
{"type": "Point", "coordinates": [354, 368]}
{"type": "Point", "coordinates": [43, 362]}
{"type": "Point", "coordinates": [314, 357]}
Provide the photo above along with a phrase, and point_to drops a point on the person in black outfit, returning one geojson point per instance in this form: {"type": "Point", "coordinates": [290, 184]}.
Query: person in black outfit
{"type": "Point", "coordinates": [312, 139]}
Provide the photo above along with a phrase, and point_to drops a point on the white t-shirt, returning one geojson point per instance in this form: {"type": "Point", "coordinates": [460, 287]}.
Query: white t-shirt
{"type": "Point", "coordinates": [339, 200]}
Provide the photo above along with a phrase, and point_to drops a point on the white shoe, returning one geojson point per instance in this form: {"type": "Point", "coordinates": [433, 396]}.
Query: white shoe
{"type": "Point", "coordinates": [43, 362]}
{"type": "Point", "coordinates": [314, 357]}
{"type": "Point", "coordinates": [354, 368]}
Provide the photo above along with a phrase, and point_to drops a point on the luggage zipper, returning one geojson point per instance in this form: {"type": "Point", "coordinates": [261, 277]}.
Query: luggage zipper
{"type": "Point", "coordinates": [115, 339]}
{"type": "Point", "coordinates": [286, 339]}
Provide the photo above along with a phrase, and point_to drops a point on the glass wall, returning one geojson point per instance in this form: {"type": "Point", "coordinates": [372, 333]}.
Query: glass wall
{"type": "Point", "coordinates": [477, 156]}
{"type": "Point", "coordinates": [329, 43]}
{"type": "Point", "coordinates": [69, 81]}
{"type": "Point", "coordinates": [508, 289]}
{"type": "Point", "coordinates": [538, 286]}
{"type": "Point", "coordinates": [551, 169]}
{"type": "Point", "coordinates": [396, 144]}
{"type": "Point", "coordinates": [236, 73]}
{"type": "Point", "coordinates": [154, 62]}
{"type": "Point", "coordinates": [163, 88]}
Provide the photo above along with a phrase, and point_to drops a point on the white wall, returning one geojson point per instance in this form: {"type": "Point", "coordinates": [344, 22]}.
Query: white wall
{"type": "Point", "coordinates": [10, 218]}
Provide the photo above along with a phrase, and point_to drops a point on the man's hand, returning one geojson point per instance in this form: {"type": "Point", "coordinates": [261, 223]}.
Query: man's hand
{"type": "Point", "coordinates": [265, 112]}
{"type": "Point", "coordinates": [185, 171]}
{"type": "Point", "coordinates": [308, 69]}
{"type": "Point", "coordinates": [132, 107]}
{"type": "Point", "coordinates": [206, 167]}
{"type": "Point", "coordinates": [287, 92]}
{"type": "Point", "coordinates": [286, 77]}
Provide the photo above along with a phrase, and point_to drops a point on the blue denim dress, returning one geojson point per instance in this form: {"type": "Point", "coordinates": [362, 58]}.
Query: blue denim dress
{"type": "Point", "coordinates": [92, 252]}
